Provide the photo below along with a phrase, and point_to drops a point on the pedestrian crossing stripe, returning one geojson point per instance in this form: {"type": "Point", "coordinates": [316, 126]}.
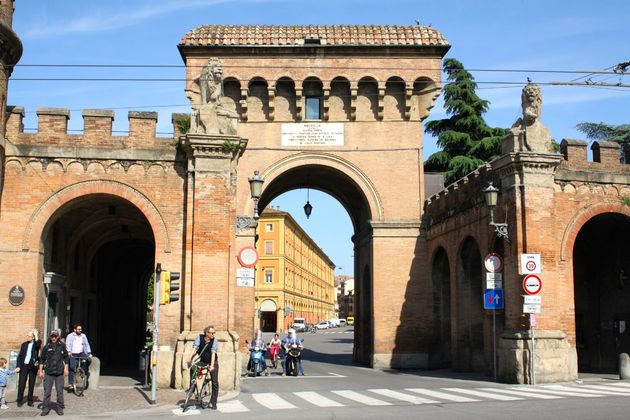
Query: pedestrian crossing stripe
{"type": "Point", "coordinates": [416, 396]}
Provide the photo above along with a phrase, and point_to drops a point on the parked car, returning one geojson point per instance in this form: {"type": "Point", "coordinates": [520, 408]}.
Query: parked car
{"type": "Point", "coordinates": [323, 325]}
{"type": "Point", "coordinates": [342, 322]}
{"type": "Point", "coordinates": [334, 323]}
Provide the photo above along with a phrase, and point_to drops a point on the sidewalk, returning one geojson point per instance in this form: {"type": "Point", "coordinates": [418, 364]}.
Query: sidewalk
{"type": "Point", "coordinates": [115, 395]}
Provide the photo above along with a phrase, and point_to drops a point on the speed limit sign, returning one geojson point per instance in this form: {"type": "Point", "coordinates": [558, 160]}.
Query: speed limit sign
{"type": "Point", "coordinates": [530, 264]}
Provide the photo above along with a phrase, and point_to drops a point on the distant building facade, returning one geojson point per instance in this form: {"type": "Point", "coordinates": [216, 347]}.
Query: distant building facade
{"type": "Point", "coordinates": [294, 277]}
{"type": "Point", "coordinates": [345, 296]}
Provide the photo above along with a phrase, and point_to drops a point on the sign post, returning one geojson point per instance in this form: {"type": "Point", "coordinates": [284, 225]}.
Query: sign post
{"type": "Point", "coordinates": [157, 287]}
{"type": "Point", "coordinates": [532, 284]}
{"type": "Point", "coordinates": [493, 297]}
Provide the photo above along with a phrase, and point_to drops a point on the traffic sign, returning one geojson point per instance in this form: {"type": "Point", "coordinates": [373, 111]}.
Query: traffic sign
{"type": "Point", "coordinates": [532, 300]}
{"type": "Point", "coordinates": [493, 263]}
{"type": "Point", "coordinates": [531, 309]}
{"type": "Point", "coordinates": [493, 299]}
{"type": "Point", "coordinates": [532, 284]}
{"type": "Point", "coordinates": [531, 264]}
{"type": "Point", "coordinates": [247, 257]}
{"type": "Point", "coordinates": [494, 280]}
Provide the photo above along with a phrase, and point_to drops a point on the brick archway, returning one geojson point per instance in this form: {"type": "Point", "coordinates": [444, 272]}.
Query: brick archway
{"type": "Point", "coordinates": [573, 228]}
{"type": "Point", "coordinates": [47, 210]}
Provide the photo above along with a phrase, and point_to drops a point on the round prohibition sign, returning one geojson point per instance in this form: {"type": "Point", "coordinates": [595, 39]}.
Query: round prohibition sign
{"type": "Point", "coordinates": [493, 263]}
{"type": "Point", "coordinates": [248, 257]}
{"type": "Point", "coordinates": [532, 284]}
{"type": "Point", "coordinates": [530, 266]}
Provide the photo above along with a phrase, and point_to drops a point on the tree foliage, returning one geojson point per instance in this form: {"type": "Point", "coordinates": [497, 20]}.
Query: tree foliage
{"type": "Point", "coordinates": [465, 138]}
{"type": "Point", "coordinates": [607, 132]}
{"type": "Point", "coordinates": [600, 131]}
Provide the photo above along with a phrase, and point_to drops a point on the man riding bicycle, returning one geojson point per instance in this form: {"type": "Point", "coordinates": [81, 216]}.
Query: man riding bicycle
{"type": "Point", "coordinates": [206, 347]}
{"type": "Point", "coordinates": [77, 345]}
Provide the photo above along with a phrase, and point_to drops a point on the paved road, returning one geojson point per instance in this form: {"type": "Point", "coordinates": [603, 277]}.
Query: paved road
{"type": "Point", "coordinates": [336, 388]}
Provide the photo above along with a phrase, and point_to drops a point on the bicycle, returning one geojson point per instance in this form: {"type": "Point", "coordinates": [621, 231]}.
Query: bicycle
{"type": "Point", "coordinates": [199, 374]}
{"type": "Point", "coordinates": [80, 375]}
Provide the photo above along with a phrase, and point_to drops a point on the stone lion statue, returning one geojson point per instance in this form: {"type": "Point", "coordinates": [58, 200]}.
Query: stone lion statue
{"type": "Point", "coordinates": [208, 115]}
{"type": "Point", "coordinates": [528, 133]}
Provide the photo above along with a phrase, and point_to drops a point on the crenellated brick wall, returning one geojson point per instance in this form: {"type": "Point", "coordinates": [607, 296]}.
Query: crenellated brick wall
{"type": "Point", "coordinates": [52, 129]}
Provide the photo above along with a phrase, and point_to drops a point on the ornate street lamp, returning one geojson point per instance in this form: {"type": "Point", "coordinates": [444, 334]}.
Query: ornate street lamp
{"type": "Point", "coordinates": [255, 188]}
{"type": "Point", "coordinates": [491, 194]}
{"type": "Point", "coordinates": [307, 207]}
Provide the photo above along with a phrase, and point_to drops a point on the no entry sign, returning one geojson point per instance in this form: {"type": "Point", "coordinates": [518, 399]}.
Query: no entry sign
{"type": "Point", "coordinates": [532, 284]}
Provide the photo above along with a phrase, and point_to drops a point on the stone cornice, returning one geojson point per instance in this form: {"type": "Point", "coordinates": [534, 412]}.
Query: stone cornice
{"type": "Point", "coordinates": [526, 162]}
{"type": "Point", "coordinates": [214, 146]}
{"type": "Point", "coordinates": [93, 153]}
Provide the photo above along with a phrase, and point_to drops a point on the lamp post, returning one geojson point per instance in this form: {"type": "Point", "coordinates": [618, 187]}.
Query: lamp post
{"type": "Point", "coordinates": [255, 188]}
{"type": "Point", "coordinates": [491, 194]}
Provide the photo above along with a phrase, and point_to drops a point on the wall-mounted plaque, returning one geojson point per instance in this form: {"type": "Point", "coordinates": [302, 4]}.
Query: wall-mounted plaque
{"type": "Point", "coordinates": [312, 134]}
{"type": "Point", "coordinates": [16, 295]}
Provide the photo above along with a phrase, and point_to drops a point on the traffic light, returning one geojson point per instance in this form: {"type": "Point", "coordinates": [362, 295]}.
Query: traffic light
{"type": "Point", "coordinates": [174, 286]}
{"type": "Point", "coordinates": [170, 284]}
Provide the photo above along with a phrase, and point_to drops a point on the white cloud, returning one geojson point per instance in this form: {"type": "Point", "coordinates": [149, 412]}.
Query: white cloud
{"type": "Point", "coordinates": [100, 20]}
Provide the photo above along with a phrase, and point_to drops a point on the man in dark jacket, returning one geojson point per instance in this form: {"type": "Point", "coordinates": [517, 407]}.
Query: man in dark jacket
{"type": "Point", "coordinates": [28, 362]}
{"type": "Point", "coordinates": [54, 361]}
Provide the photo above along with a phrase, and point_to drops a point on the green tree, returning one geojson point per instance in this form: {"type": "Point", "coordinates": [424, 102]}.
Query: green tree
{"type": "Point", "coordinates": [608, 132]}
{"type": "Point", "coordinates": [465, 138]}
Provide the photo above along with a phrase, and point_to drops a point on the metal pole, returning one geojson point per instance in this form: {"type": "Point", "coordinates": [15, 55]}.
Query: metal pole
{"type": "Point", "coordinates": [494, 342]}
{"type": "Point", "coordinates": [533, 356]}
{"type": "Point", "coordinates": [156, 320]}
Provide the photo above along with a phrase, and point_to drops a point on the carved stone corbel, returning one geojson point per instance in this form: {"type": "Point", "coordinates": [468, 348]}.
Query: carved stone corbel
{"type": "Point", "coordinates": [354, 93]}
{"type": "Point", "coordinates": [271, 92]}
{"type": "Point", "coordinates": [326, 104]}
{"type": "Point", "coordinates": [298, 103]}
{"type": "Point", "coordinates": [408, 96]}
{"type": "Point", "coordinates": [381, 103]}
{"type": "Point", "coordinates": [244, 95]}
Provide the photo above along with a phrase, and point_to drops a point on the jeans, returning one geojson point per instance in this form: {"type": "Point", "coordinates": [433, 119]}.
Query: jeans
{"type": "Point", "coordinates": [286, 365]}
{"type": "Point", "coordinates": [49, 380]}
{"type": "Point", "coordinates": [73, 366]}
{"type": "Point", "coordinates": [3, 391]}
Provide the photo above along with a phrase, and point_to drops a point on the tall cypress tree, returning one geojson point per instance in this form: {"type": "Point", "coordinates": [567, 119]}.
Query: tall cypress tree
{"type": "Point", "coordinates": [465, 138]}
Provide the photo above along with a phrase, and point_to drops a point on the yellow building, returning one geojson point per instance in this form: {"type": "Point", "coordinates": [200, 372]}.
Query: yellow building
{"type": "Point", "coordinates": [294, 278]}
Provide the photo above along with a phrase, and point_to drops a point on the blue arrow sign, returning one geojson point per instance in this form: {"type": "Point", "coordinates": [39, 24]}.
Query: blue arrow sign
{"type": "Point", "coordinates": [493, 299]}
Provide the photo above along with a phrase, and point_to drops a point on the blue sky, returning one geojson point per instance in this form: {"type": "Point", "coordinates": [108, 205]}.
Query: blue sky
{"type": "Point", "coordinates": [493, 35]}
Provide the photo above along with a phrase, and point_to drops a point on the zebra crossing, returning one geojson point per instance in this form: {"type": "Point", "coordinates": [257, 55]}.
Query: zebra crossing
{"type": "Point", "coordinates": [273, 401]}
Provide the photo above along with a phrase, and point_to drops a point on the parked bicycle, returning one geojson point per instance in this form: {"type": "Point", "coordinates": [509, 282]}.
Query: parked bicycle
{"type": "Point", "coordinates": [81, 374]}
{"type": "Point", "coordinates": [200, 386]}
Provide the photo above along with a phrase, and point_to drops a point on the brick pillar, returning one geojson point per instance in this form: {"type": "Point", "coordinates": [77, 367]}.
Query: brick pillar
{"type": "Point", "coordinates": [210, 283]}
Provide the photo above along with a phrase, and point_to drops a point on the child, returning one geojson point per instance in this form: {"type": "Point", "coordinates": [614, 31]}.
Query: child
{"type": "Point", "coordinates": [4, 372]}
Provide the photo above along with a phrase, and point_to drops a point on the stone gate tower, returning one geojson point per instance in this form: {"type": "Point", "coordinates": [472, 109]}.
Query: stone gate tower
{"type": "Point", "coordinates": [10, 53]}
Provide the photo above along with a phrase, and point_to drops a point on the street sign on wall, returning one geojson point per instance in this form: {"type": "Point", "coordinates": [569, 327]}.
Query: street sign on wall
{"type": "Point", "coordinates": [530, 264]}
{"type": "Point", "coordinates": [532, 284]}
{"type": "Point", "coordinates": [531, 309]}
{"type": "Point", "coordinates": [493, 263]}
{"type": "Point", "coordinates": [494, 280]}
{"type": "Point", "coordinates": [493, 299]}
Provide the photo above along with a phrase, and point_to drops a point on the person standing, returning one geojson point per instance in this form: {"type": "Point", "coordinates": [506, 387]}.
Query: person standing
{"type": "Point", "coordinates": [28, 362]}
{"type": "Point", "coordinates": [54, 361]}
{"type": "Point", "coordinates": [77, 345]}
{"type": "Point", "coordinates": [4, 372]}
{"type": "Point", "coordinates": [206, 347]}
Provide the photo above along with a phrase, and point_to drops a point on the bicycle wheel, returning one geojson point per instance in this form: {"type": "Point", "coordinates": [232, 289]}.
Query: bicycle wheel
{"type": "Point", "coordinates": [80, 380]}
{"type": "Point", "coordinates": [205, 394]}
{"type": "Point", "coordinates": [189, 393]}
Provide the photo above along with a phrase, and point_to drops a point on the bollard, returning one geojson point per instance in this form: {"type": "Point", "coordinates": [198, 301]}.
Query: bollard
{"type": "Point", "coordinates": [624, 366]}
